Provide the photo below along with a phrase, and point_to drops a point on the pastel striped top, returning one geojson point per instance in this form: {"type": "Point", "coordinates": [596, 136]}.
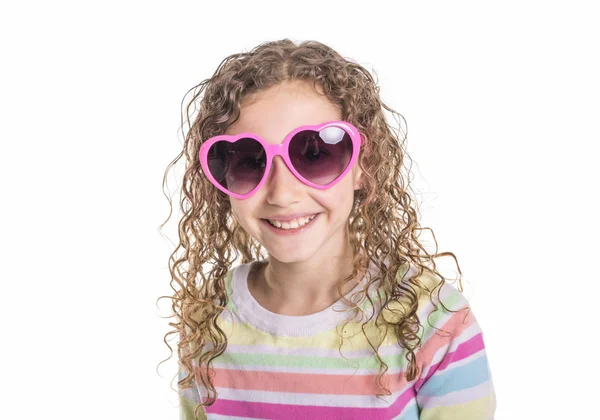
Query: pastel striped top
{"type": "Point", "coordinates": [290, 367]}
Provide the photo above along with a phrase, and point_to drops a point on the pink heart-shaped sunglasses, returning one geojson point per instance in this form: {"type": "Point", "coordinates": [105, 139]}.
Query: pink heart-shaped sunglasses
{"type": "Point", "coordinates": [318, 155]}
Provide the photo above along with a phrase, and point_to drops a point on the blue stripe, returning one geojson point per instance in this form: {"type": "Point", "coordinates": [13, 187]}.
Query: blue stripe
{"type": "Point", "coordinates": [463, 377]}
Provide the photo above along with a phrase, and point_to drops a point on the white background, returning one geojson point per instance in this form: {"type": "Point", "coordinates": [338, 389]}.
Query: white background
{"type": "Point", "coordinates": [502, 104]}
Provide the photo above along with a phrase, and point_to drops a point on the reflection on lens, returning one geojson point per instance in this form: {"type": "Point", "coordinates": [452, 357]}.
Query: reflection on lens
{"type": "Point", "coordinates": [321, 157]}
{"type": "Point", "coordinates": [332, 135]}
{"type": "Point", "coordinates": [237, 166]}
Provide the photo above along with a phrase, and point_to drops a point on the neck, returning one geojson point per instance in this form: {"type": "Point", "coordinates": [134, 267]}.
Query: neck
{"type": "Point", "coordinates": [302, 288]}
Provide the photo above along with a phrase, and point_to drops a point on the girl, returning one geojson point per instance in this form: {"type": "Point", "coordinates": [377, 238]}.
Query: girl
{"type": "Point", "coordinates": [346, 315]}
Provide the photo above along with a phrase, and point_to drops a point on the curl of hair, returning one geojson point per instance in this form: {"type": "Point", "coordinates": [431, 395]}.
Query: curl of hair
{"type": "Point", "coordinates": [383, 223]}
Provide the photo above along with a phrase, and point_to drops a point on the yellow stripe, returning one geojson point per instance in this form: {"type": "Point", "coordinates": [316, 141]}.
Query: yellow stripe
{"type": "Point", "coordinates": [475, 410]}
{"type": "Point", "coordinates": [186, 410]}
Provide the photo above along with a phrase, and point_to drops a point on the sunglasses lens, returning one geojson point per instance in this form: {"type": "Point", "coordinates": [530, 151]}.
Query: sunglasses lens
{"type": "Point", "coordinates": [321, 157]}
{"type": "Point", "coordinates": [238, 166]}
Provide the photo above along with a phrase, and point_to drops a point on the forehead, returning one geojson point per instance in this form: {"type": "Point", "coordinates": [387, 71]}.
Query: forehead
{"type": "Point", "coordinates": [275, 112]}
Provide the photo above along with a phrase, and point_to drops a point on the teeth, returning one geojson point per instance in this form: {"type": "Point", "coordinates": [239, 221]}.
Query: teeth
{"type": "Point", "coordinates": [292, 224]}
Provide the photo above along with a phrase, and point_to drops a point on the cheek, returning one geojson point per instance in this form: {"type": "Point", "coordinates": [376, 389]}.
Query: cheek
{"type": "Point", "coordinates": [339, 199]}
{"type": "Point", "coordinates": [241, 210]}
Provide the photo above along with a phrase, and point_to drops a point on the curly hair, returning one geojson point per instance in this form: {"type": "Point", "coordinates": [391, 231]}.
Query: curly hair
{"type": "Point", "coordinates": [383, 223]}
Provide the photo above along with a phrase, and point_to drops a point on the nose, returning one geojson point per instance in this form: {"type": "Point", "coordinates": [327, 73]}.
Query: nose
{"type": "Point", "coordinates": [283, 188]}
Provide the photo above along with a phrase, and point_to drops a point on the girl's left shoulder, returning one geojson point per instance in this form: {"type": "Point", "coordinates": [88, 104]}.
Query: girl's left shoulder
{"type": "Point", "coordinates": [436, 299]}
{"type": "Point", "coordinates": [441, 291]}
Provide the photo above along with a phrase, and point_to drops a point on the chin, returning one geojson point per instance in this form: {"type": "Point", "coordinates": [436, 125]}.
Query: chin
{"type": "Point", "coordinates": [289, 257]}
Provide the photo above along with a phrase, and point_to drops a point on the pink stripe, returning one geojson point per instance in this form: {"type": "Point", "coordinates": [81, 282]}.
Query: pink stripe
{"type": "Point", "coordinates": [453, 327]}
{"type": "Point", "coordinates": [463, 351]}
{"type": "Point", "coordinates": [306, 383]}
{"type": "Point", "coordinates": [304, 412]}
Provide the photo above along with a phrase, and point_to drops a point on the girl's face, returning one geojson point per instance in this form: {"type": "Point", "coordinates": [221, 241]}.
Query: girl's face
{"type": "Point", "coordinates": [272, 114]}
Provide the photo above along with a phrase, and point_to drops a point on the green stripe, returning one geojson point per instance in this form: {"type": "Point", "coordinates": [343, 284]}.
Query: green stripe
{"type": "Point", "coordinates": [436, 317]}
{"type": "Point", "coordinates": [228, 279]}
{"type": "Point", "coordinates": [369, 362]}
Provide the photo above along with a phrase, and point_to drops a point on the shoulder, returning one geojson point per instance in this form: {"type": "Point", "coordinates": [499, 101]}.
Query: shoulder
{"type": "Point", "coordinates": [443, 308]}
{"type": "Point", "coordinates": [452, 359]}
{"type": "Point", "coordinates": [429, 293]}
{"type": "Point", "coordinates": [445, 317]}
{"type": "Point", "coordinates": [198, 309]}
{"type": "Point", "coordinates": [449, 331]}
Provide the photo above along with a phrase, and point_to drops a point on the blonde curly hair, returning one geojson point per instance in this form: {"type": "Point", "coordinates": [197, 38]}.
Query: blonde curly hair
{"type": "Point", "coordinates": [383, 224]}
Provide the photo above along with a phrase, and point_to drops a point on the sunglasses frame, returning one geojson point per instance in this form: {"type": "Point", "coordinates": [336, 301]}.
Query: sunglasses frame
{"type": "Point", "coordinates": [281, 149]}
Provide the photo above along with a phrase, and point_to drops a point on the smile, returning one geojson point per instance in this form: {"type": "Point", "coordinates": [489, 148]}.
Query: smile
{"type": "Point", "coordinates": [290, 226]}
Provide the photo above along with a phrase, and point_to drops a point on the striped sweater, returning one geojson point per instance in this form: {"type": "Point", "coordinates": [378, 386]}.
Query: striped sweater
{"type": "Point", "coordinates": [290, 367]}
